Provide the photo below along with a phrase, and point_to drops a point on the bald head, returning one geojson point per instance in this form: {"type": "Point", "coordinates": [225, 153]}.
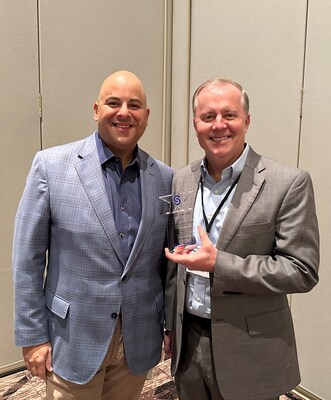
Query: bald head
{"type": "Point", "coordinates": [122, 79]}
{"type": "Point", "coordinates": [121, 113]}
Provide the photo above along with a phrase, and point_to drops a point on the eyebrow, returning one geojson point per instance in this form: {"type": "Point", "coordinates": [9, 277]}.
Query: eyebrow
{"type": "Point", "coordinates": [132, 100]}
{"type": "Point", "coordinates": [225, 110]}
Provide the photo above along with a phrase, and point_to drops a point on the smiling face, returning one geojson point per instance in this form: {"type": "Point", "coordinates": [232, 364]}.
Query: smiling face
{"type": "Point", "coordinates": [121, 113]}
{"type": "Point", "coordinates": [221, 124]}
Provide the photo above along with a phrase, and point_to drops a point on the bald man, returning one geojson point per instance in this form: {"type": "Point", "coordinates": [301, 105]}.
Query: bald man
{"type": "Point", "coordinates": [91, 221]}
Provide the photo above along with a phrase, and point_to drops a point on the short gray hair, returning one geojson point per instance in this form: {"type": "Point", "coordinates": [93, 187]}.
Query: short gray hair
{"type": "Point", "coordinates": [220, 81]}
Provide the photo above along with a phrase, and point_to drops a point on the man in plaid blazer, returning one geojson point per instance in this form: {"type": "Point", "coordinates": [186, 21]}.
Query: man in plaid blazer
{"type": "Point", "coordinates": [88, 255]}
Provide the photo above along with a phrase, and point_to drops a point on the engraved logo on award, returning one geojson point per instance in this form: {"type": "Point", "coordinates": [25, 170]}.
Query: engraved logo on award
{"type": "Point", "coordinates": [177, 202]}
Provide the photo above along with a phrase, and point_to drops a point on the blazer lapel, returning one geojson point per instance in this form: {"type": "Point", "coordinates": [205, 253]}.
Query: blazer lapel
{"type": "Point", "coordinates": [248, 188]}
{"type": "Point", "coordinates": [90, 174]}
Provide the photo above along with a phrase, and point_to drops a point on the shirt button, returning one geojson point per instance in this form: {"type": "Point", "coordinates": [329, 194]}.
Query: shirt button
{"type": "Point", "coordinates": [198, 299]}
{"type": "Point", "coordinates": [216, 191]}
{"type": "Point", "coordinates": [122, 208]}
{"type": "Point", "coordinates": [114, 315]}
{"type": "Point", "coordinates": [122, 235]}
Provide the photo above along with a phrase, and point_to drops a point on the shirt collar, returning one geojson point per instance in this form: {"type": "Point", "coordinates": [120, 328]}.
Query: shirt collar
{"type": "Point", "coordinates": [105, 154]}
{"type": "Point", "coordinates": [231, 172]}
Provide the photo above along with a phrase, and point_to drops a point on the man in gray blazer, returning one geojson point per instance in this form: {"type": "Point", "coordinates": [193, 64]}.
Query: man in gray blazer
{"type": "Point", "coordinates": [88, 255]}
{"type": "Point", "coordinates": [247, 235]}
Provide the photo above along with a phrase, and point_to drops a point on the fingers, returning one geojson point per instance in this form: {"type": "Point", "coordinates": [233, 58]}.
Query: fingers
{"type": "Point", "coordinates": [179, 256]}
{"type": "Point", "coordinates": [203, 236]}
{"type": "Point", "coordinates": [193, 257]}
{"type": "Point", "coordinates": [182, 249]}
{"type": "Point", "coordinates": [167, 252]}
{"type": "Point", "coordinates": [189, 248]}
{"type": "Point", "coordinates": [49, 361]}
{"type": "Point", "coordinates": [167, 343]}
{"type": "Point", "coordinates": [39, 371]}
{"type": "Point", "coordinates": [38, 359]}
{"type": "Point", "coordinates": [37, 367]}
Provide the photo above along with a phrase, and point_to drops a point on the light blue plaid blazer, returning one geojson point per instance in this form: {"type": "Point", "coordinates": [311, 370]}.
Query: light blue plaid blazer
{"type": "Point", "coordinates": [64, 221]}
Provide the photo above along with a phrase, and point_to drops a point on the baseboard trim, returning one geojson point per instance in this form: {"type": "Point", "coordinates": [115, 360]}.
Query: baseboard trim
{"type": "Point", "coordinates": [306, 394]}
{"type": "Point", "coordinates": [12, 368]}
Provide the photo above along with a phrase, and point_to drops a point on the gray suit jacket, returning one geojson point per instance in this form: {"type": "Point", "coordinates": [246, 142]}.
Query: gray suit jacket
{"type": "Point", "coordinates": [64, 214]}
{"type": "Point", "coordinates": [268, 247]}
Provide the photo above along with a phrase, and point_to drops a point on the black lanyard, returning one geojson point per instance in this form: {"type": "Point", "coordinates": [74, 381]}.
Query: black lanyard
{"type": "Point", "coordinates": [209, 224]}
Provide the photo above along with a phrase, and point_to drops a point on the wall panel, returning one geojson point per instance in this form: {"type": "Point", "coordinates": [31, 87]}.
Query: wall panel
{"type": "Point", "coordinates": [261, 45]}
{"type": "Point", "coordinates": [312, 312]}
{"type": "Point", "coordinates": [82, 42]}
{"type": "Point", "coordinates": [180, 111]}
{"type": "Point", "coordinates": [19, 140]}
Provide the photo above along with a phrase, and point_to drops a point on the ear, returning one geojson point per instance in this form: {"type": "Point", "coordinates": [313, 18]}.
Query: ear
{"type": "Point", "coordinates": [247, 121]}
{"type": "Point", "coordinates": [147, 111]}
{"type": "Point", "coordinates": [96, 111]}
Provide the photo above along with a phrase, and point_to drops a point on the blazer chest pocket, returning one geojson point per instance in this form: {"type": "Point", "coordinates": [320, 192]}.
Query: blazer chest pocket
{"type": "Point", "coordinates": [257, 228]}
{"type": "Point", "coordinates": [56, 304]}
{"type": "Point", "coordinates": [268, 322]}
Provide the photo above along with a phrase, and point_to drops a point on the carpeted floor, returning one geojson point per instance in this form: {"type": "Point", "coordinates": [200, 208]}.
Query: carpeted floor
{"type": "Point", "coordinates": [20, 386]}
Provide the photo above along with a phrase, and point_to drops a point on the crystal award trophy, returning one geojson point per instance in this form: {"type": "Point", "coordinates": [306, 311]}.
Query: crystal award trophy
{"type": "Point", "coordinates": [177, 202]}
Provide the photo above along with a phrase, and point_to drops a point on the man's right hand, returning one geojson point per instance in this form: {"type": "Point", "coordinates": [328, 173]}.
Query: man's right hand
{"type": "Point", "coordinates": [167, 343]}
{"type": "Point", "coordinates": [38, 359]}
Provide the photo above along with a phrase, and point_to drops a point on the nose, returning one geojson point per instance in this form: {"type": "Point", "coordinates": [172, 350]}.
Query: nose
{"type": "Point", "coordinates": [219, 123]}
{"type": "Point", "coordinates": [124, 111]}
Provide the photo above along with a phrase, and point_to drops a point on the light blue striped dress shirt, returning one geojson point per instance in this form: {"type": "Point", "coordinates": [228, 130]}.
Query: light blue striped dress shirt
{"type": "Point", "coordinates": [198, 286]}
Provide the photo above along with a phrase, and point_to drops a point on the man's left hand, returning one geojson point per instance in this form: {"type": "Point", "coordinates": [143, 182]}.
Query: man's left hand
{"type": "Point", "coordinates": [195, 258]}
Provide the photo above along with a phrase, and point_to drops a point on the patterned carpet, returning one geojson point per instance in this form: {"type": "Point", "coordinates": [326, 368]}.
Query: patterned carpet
{"type": "Point", "coordinates": [20, 386]}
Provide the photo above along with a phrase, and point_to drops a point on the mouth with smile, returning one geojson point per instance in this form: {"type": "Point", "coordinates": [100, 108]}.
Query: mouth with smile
{"type": "Point", "coordinates": [122, 125]}
{"type": "Point", "coordinates": [219, 139]}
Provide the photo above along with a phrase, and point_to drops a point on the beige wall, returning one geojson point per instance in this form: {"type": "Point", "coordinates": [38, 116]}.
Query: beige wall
{"type": "Point", "coordinates": [67, 48]}
{"type": "Point", "coordinates": [81, 42]}
{"type": "Point", "coordinates": [312, 312]}
{"type": "Point", "coordinates": [19, 140]}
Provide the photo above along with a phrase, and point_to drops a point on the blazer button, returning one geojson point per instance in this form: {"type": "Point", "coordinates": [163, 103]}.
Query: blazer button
{"type": "Point", "coordinates": [114, 315]}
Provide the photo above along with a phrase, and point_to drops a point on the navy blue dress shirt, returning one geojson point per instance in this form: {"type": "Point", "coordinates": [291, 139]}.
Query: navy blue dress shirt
{"type": "Point", "coordinates": [124, 193]}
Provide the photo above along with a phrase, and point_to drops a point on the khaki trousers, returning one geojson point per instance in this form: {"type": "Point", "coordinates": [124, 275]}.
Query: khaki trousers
{"type": "Point", "coordinates": [114, 380]}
